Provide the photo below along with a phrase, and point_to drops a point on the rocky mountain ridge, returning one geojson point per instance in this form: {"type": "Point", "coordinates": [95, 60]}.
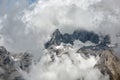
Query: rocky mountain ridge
{"type": "Point", "coordinates": [108, 62]}
{"type": "Point", "coordinates": [82, 35]}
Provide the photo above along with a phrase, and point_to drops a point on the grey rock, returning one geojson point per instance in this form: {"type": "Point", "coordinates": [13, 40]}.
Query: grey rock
{"type": "Point", "coordinates": [82, 35]}
{"type": "Point", "coordinates": [9, 65]}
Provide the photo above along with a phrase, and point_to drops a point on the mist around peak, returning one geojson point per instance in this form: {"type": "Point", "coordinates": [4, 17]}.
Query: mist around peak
{"type": "Point", "coordinates": [69, 39]}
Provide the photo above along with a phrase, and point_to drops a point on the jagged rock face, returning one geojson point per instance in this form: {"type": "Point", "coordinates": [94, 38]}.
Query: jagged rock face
{"type": "Point", "coordinates": [108, 62]}
{"type": "Point", "coordinates": [112, 64]}
{"type": "Point", "coordinates": [82, 35]}
{"type": "Point", "coordinates": [9, 65]}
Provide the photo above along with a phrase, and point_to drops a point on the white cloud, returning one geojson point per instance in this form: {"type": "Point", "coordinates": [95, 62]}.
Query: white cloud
{"type": "Point", "coordinates": [69, 15]}
{"type": "Point", "coordinates": [70, 66]}
{"type": "Point", "coordinates": [65, 15]}
{"type": "Point", "coordinates": [29, 27]}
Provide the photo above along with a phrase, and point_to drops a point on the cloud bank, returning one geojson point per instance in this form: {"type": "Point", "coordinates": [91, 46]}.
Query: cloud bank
{"type": "Point", "coordinates": [69, 66]}
{"type": "Point", "coordinates": [27, 26]}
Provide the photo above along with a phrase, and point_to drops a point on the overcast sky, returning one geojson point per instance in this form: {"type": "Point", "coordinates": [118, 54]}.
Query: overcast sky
{"type": "Point", "coordinates": [25, 25]}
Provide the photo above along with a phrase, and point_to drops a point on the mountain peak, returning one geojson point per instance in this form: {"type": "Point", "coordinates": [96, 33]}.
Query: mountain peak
{"type": "Point", "coordinates": [82, 35]}
{"type": "Point", "coordinates": [56, 33]}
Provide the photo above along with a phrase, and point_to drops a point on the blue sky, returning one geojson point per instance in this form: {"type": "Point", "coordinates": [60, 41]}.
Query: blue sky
{"type": "Point", "coordinates": [31, 1]}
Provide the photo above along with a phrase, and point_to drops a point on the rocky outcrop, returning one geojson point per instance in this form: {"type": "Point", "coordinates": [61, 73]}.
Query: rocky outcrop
{"type": "Point", "coordinates": [11, 64]}
{"type": "Point", "coordinates": [108, 63]}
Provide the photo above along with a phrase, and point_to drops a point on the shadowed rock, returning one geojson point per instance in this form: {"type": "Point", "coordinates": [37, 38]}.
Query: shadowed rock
{"type": "Point", "coordinates": [9, 64]}
{"type": "Point", "coordinates": [82, 35]}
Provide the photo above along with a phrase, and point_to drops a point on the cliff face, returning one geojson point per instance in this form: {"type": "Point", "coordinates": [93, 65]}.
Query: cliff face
{"type": "Point", "coordinates": [111, 63]}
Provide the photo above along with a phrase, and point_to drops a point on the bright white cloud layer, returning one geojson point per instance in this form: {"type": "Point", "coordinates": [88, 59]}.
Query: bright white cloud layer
{"type": "Point", "coordinates": [70, 66]}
